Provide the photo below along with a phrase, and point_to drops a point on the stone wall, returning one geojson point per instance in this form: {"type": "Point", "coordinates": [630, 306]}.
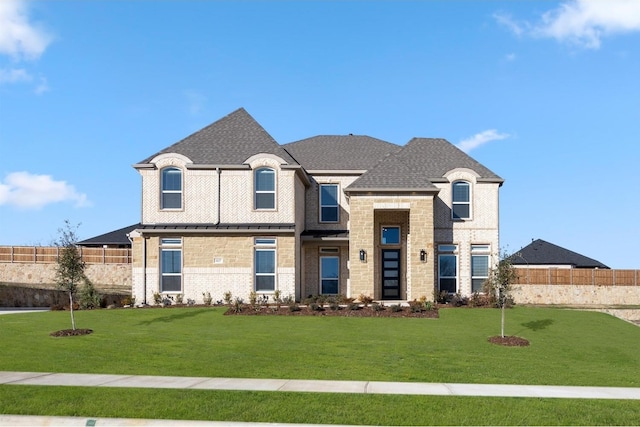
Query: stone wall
{"type": "Point", "coordinates": [105, 277]}
{"type": "Point", "coordinates": [577, 295]}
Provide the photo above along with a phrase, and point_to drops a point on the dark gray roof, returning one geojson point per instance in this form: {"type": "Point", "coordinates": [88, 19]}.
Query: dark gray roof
{"type": "Point", "coordinates": [392, 174]}
{"type": "Point", "coordinates": [324, 234]}
{"type": "Point", "coordinates": [540, 252]}
{"type": "Point", "coordinates": [228, 141]}
{"type": "Point", "coordinates": [417, 165]}
{"type": "Point", "coordinates": [434, 157]}
{"type": "Point", "coordinates": [340, 152]}
{"type": "Point", "coordinates": [112, 238]}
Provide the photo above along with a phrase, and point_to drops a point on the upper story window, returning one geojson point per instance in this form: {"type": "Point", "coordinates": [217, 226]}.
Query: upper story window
{"type": "Point", "coordinates": [171, 197]}
{"type": "Point", "coordinates": [265, 188]}
{"type": "Point", "coordinates": [329, 207]}
{"type": "Point", "coordinates": [461, 200]}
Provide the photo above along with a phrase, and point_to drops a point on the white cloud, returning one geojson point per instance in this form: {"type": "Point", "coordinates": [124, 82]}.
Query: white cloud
{"type": "Point", "coordinates": [14, 75]}
{"type": "Point", "coordinates": [20, 38]}
{"type": "Point", "coordinates": [481, 138]}
{"type": "Point", "coordinates": [581, 22]}
{"type": "Point", "coordinates": [30, 191]}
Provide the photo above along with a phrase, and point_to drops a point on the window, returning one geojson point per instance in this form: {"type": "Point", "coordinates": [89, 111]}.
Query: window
{"type": "Point", "coordinates": [329, 203]}
{"type": "Point", "coordinates": [390, 235]}
{"type": "Point", "coordinates": [448, 268]}
{"type": "Point", "coordinates": [265, 265]}
{"type": "Point", "coordinates": [265, 186]}
{"type": "Point", "coordinates": [329, 274]}
{"type": "Point", "coordinates": [170, 265]}
{"type": "Point", "coordinates": [171, 189]}
{"type": "Point", "coordinates": [479, 266]}
{"type": "Point", "coordinates": [461, 201]}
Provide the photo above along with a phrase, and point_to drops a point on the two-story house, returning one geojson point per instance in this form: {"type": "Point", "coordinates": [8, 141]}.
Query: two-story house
{"type": "Point", "coordinates": [230, 209]}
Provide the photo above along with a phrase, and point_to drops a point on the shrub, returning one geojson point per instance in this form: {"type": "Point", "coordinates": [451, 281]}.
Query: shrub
{"type": "Point", "coordinates": [365, 299]}
{"type": "Point", "coordinates": [157, 298]}
{"type": "Point", "coordinates": [334, 305]}
{"type": "Point", "coordinates": [89, 297]}
{"type": "Point", "coordinates": [277, 299]}
{"type": "Point", "coordinates": [227, 297]}
{"type": "Point", "coordinates": [206, 298]}
{"type": "Point", "coordinates": [458, 300]}
{"type": "Point", "coordinates": [353, 306]}
{"type": "Point", "coordinates": [396, 308]}
{"type": "Point", "coordinates": [253, 297]}
{"type": "Point", "coordinates": [237, 305]}
{"type": "Point", "coordinates": [179, 299]}
{"type": "Point", "coordinates": [294, 307]}
{"type": "Point", "coordinates": [377, 307]}
{"type": "Point", "coordinates": [479, 300]}
{"type": "Point", "coordinates": [416, 306]}
{"type": "Point", "coordinates": [316, 307]}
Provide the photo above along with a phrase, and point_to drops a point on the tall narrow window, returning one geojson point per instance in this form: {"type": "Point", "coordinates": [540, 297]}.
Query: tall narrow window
{"type": "Point", "coordinates": [448, 268]}
{"type": "Point", "coordinates": [265, 265]}
{"type": "Point", "coordinates": [461, 201]}
{"type": "Point", "coordinates": [265, 187]}
{"type": "Point", "coordinates": [171, 197]}
{"type": "Point", "coordinates": [479, 266]}
{"type": "Point", "coordinates": [329, 207]}
{"type": "Point", "coordinates": [329, 274]}
{"type": "Point", "coordinates": [171, 265]}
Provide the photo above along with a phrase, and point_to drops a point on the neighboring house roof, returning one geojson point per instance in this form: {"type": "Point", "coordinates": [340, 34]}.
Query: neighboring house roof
{"type": "Point", "coordinates": [112, 238]}
{"type": "Point", "coordinates": [340, 152]}
{"type": "Point", "coordinates": [540, 252]}
{"type": "Point", "coordinates": [228, 141]}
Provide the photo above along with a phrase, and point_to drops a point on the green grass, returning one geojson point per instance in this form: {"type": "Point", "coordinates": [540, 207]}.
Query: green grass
{"type": "Point", "coordinates": [567, 348]}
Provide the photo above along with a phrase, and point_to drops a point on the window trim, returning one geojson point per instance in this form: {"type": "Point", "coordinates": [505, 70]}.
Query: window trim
{"type": "Point", "coordinates": [163, 191]}
{"type": "Point", "coordinates": [322, 278]}
{"type": "Point", "coordinates": [480, 251]}
{"type": "Point", "coordinates": [171, 244]}
{"type": "Point", "coordinates": [256, 191]}
{"type": "Point", "coordinates": [448, 250]}
{"type": "Point", "coordinates": [265, 244]}
{"type": "Point", "coordinates": [382, 228]}
{"type": "Point", "coordinates": [321, 205]}
{"type": "Point", "coordinates": [455, 203]}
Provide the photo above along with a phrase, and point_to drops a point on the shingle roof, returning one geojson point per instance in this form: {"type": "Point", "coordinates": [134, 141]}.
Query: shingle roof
{"type": "Point", "coordinates": [392, 174]}
{"type": "Point", "coordinates": [434, 157]}
{"type": "Point", "coordinates": [228, 141]}
{"type": "Point", "coordinates": [417, 165]}
{"type": "Point", "coordinates": [116, 237]}
{"type": "Point", "coordinates": [340, 152]}
{"type": "Point", "coordinates": [540, 252]}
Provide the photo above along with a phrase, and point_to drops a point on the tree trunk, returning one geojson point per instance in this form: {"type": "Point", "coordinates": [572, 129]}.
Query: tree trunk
{"type": "Point", "coordinates": [502, 323]}
{"type": "Point", "coordinates": [73, 320]}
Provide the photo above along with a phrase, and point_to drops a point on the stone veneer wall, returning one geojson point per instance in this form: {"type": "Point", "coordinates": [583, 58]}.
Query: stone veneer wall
{"type": "Point", "coordinates": [577, 295]}
{"type": "Point", "coordinates": [216, 265]}
{"type": "Point", "coordinates": [105, 277]}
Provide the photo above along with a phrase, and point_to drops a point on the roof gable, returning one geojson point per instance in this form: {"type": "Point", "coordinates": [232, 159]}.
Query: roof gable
{"type": "Point", "coordinates": [540, 252]}
{"type": "Point", "coordinates": [228, 141]}
{"type": "Point", "coordinates": [392, 174]}
{"type": "Point", "coordinates": [434, 157]}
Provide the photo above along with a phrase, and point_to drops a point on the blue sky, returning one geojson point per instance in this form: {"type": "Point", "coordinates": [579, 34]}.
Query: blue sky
{"type": "Point", "coordinates": [545, 94]}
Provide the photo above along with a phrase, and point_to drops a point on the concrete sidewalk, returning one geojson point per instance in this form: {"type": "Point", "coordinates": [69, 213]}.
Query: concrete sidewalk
{"type": "Point", "coordinates": [318, 386]}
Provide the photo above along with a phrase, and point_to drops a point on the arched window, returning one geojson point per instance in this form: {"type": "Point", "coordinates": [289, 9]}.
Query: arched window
{"type": "Point", "coordinates": [265, 188]}
{"type": "Point", "coordinates": [461, 200]}
{"type": "Point", "coordinates": [171, 197]}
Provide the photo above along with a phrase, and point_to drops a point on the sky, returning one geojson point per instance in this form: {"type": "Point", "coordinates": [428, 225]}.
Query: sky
{"type": "Point", "coordinates": [546, 94]}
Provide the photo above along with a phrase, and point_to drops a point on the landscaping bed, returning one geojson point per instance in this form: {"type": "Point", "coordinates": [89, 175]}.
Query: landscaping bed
{"type": "Point", "coordinates": [342, 311]}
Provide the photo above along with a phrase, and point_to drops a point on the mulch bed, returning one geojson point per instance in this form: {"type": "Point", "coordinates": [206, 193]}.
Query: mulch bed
{"type": "Point", "coordinates": [386, 311]}
{"type": "Point", "coordinates": [509, 341]}
{"type": "Point", "coordinates": [71, 332]}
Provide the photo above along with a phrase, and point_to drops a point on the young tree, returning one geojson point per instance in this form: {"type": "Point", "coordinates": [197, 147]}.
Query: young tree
{"type": "Point", "coordinates": [499, 284]}
{"type": "Point", "coordinates": [70, 268]}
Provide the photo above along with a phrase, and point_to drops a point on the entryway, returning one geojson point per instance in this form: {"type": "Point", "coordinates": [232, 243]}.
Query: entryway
{"type": "Point", "coordinates": [391, 274]}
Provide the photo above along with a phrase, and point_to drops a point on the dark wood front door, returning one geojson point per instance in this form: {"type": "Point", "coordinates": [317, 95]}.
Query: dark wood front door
{"type": "Point", "coordinates": [391, 274]}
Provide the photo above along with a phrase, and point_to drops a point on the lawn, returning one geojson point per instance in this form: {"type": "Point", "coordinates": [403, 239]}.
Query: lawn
{"type": "Point", "coordinates": [567, 347]}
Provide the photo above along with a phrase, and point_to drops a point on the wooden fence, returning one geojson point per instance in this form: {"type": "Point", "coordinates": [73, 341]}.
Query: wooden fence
{"type": "Point", "coordinates": [49, 255]}
{"type": "Point", "coordinates": [577, 276]}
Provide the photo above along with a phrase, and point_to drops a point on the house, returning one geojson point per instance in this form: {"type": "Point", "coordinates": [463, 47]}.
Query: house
{"type": "Point", "coordinates": [230, 209]}
{"type": "Point", "coordinates": [542, 254]}
{"type": "Point", "coordinates": [113, 239]}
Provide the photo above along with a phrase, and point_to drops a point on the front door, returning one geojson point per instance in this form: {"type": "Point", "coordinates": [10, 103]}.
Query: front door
{"type": "Point", "coordinates": [391, 274]}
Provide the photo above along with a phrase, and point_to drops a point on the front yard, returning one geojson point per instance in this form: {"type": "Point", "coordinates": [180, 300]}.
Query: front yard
{"type": "Point", "coordinates": [566, 347]}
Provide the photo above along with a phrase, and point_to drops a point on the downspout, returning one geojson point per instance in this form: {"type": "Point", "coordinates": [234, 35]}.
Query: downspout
{"type": "Point", "coordinates": [219, 193]}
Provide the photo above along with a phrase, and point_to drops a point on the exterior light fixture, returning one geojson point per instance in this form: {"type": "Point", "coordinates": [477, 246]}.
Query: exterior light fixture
{"type": "Point", "coordinates": [423, 255]}
{"type": "Point", "coordinates": [363, 255]}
